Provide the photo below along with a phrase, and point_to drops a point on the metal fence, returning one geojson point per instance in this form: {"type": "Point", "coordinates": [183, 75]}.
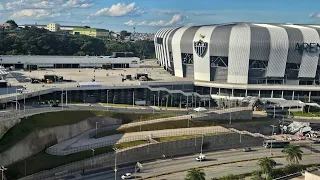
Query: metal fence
{"type": "Point", "coordinates": [151, 151]}
{"type": "Point", "coordinates": [106, 128]}
{"type": "Point", "coordinates": [121, 139]}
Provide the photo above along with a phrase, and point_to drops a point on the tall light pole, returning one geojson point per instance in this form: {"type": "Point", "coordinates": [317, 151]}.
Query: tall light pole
{"type": "Point", "coordinates": [92, 152]}
{"type": "Point", "coordinates": [115, 163]}
{"type": "Point", "coordinates": [230, 110]}
{"type": "Point", "coordinates": [154, 103]}
{"type": "Point", "coordinates": [96, 129]}
{"type": "Point", "coordinates": [273, 126]}
{"type": "Point", "coordinates": [2, 169]}
{"type": "Point", "coordinates": [133, 98]}
{"type": "Point", "coordinates": [17, 97]}
{"type": "Point", "coordinates": [274, 111]}
{"type": "Point", "coordinates": [187, 102]}
{"type": "Point", "coordinates": [201, 147]}
{"type": "Point", "coordinates": [108, 100]}
{"type": "Point", "coordinates": [25, 169]}
{"type": "Point", "coordinates": [62, 100]}
{"type": "Point", "coordinates": [140, 122]}
{"type": "Point", "coordinates": [24, 103]}
{"type": "Point", "coordinates": [66, 96]}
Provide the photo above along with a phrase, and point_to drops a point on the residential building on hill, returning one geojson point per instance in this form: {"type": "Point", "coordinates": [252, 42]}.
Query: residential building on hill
{"type": "Point", "coordinates": [53, 27]}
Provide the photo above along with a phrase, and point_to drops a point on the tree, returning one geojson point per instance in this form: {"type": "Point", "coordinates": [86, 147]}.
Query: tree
{"type": "Point", "coordinates": [266, 165]}
{"type": "Point", "coordinates": [293, 154]}
{"type": "Point", "coordinates": [229, 177]}
{"type": "Point", "coordinates": [123, 33]}
{"type": "Point", "coordinates": [195, 174]}
{"type": "Point", "coordinates": [13, 23]}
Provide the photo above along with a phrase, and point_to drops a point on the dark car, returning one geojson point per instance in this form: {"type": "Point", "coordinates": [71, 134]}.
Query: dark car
{"type": "Point", "coordinates": [316, 142]}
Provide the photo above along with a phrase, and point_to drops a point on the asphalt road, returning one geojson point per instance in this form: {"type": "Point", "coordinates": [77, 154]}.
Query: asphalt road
{"type": "Point", "coordinates": [183, 163]}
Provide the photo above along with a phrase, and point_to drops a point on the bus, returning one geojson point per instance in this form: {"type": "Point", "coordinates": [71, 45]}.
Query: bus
{"type": "Point", "coordinates": [275, 143]}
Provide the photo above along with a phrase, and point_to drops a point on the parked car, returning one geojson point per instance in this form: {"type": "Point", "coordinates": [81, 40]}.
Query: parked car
{"type": "Point", "coordinates": [201, 158]}
{"type": "Point", "coordinates": [246, 149]}
{"type": "Point", "coordinates": [126, 176]}
{"type": "Point", "coordinates": [316, 141]}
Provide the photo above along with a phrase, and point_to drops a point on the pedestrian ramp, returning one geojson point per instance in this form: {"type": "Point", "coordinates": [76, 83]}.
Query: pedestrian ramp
{"type": "Point", "coordinates": [249, 133]}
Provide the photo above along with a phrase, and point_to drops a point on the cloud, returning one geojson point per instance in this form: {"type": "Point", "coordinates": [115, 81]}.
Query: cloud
{"type": "Point", "coordinates": [120, 9]}
{"type": "Point", "coordinates": [1, 7]}
{"type": "Point", "coordinates": [314, 15]}
{"type": "Point", "coordinates": [177, 19]}
{"type": "Point", "coordinates": [78, 4]}
{"type": "Point", "coordinates": [34, 13]}
{"type": "Point", "coordinates": [185, 13]}
{"type": "Point", "coordinates": [130, 23]}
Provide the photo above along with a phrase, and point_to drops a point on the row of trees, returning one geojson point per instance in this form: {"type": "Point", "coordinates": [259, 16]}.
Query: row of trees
{"type": "Point", "coordinates": [266, 166]}
{"type": "Point", "coordinates": [36, 41]}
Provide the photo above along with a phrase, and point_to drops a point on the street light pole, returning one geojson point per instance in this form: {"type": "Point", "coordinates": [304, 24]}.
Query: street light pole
{"type": "Point", "coordinates": [2, 169]}
{"type": "Point", "coordinates": [115, 163]}
{"type": "Point", "coordinates": [96, 129]}
{"type": "Point", "coordinates": [140, 122]}
{"type": "Point", "coordinates": [133, 98]}
{"type": "Point", "coordinates": [92, 152]}
{"type": "Point", "coordinates": [274, 111]}
{"type": "Point", "coordinates": [154, 103]}
{"type": "Point", "coordinates": [273, 126]}
{"type": "Point", "coordinates": [25, 169]}
{"type": "Point", "coordinates": [108, 100]}
{"type": "Point", "coordinates": [24, 103]}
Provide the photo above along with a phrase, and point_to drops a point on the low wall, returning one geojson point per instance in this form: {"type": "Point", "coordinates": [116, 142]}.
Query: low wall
{"type": "Point", "coordinates": [235, 115]}
{"type": "Point", "coordinates": [154, 151]}
{"type": "Point", "coordinates": [263, 127]}
{"type": "Point", "coordinates": [5, 125]}
{"type": "Point", "coordinates": [38, 140]}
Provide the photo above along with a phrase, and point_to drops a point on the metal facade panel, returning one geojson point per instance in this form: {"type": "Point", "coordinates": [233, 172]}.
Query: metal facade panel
{"type": "Point", "coordinates": [308, 66]}
{"type": "Point", "coordinates": [260, 43]}
{"type": "Point", "coordinates": [163, 47]}
{"type": "Point", "coordinates": [161, 35]}
{"type": "Point", "coordinates": [219, 42]}
{"type": "Point", "coordinates": [317, 28]}
{"type": "Point", "coordinates": [202, 64]}
{"type": "Point", "coordinates": [168, 44]}
{"type": "Point", "coordinates": [187, 40]}
{"type": "Point", "coordinates": [239, 52]}
{"type": "Point", "coordinates": [157, 45]}
{"type": "Point", "coordinates": [279, 45]}
{"type": "Point", "coordinates": [295, 36]}
{"type": "Point", "coordinates": [176, 51]}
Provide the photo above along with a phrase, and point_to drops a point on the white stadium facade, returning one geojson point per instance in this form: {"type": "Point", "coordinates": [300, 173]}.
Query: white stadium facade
{"type": "Point", "coordinates": [244, 59]}
{"type": "Point", "coordinates": [242, 53]}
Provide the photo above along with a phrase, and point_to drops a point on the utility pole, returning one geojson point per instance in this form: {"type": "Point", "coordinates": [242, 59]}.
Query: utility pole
{"type": "Point", "coordinates": [273, 126]}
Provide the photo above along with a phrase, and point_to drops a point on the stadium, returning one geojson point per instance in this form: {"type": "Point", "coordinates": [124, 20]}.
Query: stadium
{"type": "Point", "coordinates": [242, 54]}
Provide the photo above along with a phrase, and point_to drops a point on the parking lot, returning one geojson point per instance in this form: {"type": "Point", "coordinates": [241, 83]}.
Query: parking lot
{"type": "Point", "coordinates": [105, 77]}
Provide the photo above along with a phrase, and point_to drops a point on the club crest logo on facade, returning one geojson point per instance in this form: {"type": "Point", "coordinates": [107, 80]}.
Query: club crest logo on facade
{"type": "Point", "coordinates": [201, 47]}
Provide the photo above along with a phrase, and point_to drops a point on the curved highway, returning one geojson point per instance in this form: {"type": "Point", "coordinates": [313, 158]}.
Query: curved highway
{"type": "Point", "coordinates": [218, 164]}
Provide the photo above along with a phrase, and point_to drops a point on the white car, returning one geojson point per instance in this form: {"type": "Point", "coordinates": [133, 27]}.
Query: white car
{"type": "Point", "coordinates": [201, 158]}
{"type": "Point", "coordinates": [126, 176]}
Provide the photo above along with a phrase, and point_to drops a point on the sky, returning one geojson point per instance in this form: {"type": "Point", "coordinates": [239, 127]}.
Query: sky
{"type": "Point", "coordinates": [151, 15]}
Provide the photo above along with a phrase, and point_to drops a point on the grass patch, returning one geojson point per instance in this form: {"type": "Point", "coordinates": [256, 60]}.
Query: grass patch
{"type": "Point", "coordinates": [158, 126]}
{"type": "Point", "coordinates": [306, 114]}
{"type": "Point", "coordinates": [43, 161]}
{"type": "Point", "coordinates": [175, 138]}
{"type": "Point", "coordinates": [53, 119]}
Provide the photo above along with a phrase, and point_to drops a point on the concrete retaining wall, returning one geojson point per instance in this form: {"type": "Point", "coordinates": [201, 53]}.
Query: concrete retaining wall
{"type": "Point", "coordinates": [155, 151]}
{"type": "Point", "coordinates": [5, 125]}
{"type": "Point", "coordinates": [37, 141]}
{"type": "Point", "coordinates": [236, 115]}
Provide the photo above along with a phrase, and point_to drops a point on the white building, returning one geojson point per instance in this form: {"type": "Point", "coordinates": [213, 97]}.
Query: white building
{"type": "Point", "coordinates": [20, 62]}
{"type": "Point", "coordinates": [53, 27]}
